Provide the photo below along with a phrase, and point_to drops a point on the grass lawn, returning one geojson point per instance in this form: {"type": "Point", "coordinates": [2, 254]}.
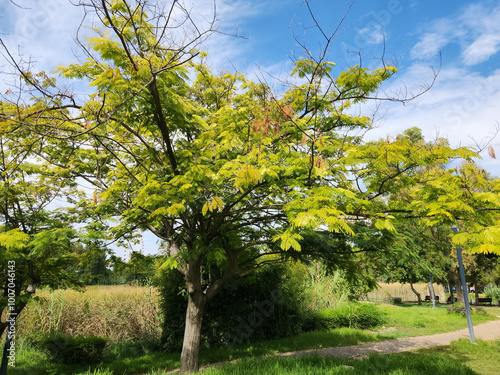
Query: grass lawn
{"type": "Point", "coordinates": [414, 320]}
{"type": "Point", "coordinates": [483, 358]}
{"type": "Point", "coordinates": [407, 320]}
{"type": "Point", "coordinates": [401, 364]}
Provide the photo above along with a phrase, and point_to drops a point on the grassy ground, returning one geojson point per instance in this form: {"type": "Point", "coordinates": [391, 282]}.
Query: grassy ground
{"type": "Point", "coordinates": [403, 321]}
{"type": "Point", "coordinates": [458, 359]}
{"type": "Point", "coordinates": [403, 364]}
{"type": "Point", "coordinates": [413, 320]}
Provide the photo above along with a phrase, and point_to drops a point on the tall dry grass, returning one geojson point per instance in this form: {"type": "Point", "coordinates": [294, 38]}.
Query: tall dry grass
{"type": "Point", "coordinates": [386, 291]}
{"type": "Point", "coordinates": [118, 312]}
{"type": "Point", "coordinates": [326, 292]}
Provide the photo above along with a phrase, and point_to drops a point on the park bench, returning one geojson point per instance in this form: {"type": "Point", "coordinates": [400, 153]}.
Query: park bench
{"type": "Point", "coordinates": [428, 298]}
{"type": "Point", "coordinates": [485, 300]}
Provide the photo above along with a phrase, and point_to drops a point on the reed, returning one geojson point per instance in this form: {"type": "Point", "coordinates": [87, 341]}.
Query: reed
{"type": "Point", "coordinates": [118, 312]}
{"type": "Point", "coordinates": [386, 291]}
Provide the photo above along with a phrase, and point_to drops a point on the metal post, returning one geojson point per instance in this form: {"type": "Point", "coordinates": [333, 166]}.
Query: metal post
{"type": "Point", "coordinates": [464, 289]}
{"type": "Point", "coordinates": [431, 288]}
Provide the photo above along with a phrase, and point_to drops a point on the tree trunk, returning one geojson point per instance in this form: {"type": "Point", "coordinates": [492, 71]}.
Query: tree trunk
{"type": "Point", "coordinates": [476, 294]}
{"type": "Point", "coordinates": [419, 297]}
{"type": "Point", "coordinates": [198, 298]}
{"type": "Point", "coordinates": [431, 290]}
{"type": "Point", "coordinates": [460, 292]}
{"type": "Point", "coordinates": [192, 333]}
{"type": "Point", "coordinates": [6, 353]}
{"type": "Point", "coordinates": [452, 296]}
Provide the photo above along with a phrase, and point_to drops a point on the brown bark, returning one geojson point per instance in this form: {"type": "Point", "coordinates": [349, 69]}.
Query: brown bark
{"type": "Point", "coordinates": [197, 300]}
{"type": "Point", "coordinates": [476, 294]}
{"type": "Point", "coordinates": [194, 318]}
{"type": "Point", "coordinates": [419, 297]}
{"type": "Point", "coordinates": [460, 292]}
{"type": "Point", "coordinates": [192, 333]}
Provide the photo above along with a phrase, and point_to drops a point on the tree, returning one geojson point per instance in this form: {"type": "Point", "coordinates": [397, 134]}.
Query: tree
{"type": "Point", "coordinates": [92, 269]}
{"type": "Point", "coordinates": [222, 169]}
{"type": "Point", "coordinates": [36, 243]}
{"type": "Point", "coordinates": [416, 252]}
{"type": "Point", "coordinates": [441, 197]}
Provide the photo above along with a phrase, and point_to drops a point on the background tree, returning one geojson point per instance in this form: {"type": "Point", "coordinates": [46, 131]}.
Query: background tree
{"type": "Point", "coordinates": [416, 252]}
{"type": "Point", "coordinates": [36, 243]}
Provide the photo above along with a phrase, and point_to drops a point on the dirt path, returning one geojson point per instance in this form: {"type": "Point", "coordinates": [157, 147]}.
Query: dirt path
{"type": "Point", "coordinates": [485, 331]}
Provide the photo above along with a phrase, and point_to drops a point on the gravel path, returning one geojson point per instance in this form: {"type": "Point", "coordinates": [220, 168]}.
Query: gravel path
{"type": "Point", "coordinates": [485, 331]}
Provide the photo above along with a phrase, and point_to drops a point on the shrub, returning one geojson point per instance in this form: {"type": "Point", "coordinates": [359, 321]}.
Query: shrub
{"type": "Point", "coordinates": [480, 310]}
{"type": "Point", "coordinates": [461, 310]}
{"type": "Point", "coordinates": [73, 349]}
{"type": "Point", "coordinates": [267, 304]}
{"type": "Point", "coordinates": [360, 316]}
{"type": "Point", "coordinates": [492, 291]}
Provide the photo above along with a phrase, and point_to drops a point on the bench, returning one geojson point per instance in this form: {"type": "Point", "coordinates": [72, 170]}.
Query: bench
{"type": "Point", "coordinates": [485, 300]}
{"type": "Point", "coordinates": [428, 298]}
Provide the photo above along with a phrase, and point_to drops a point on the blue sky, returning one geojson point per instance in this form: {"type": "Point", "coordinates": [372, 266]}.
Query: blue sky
{"type": "Point", "coordinates": [463, 105]}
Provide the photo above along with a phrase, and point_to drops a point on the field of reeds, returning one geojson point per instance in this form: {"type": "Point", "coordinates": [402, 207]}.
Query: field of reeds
{"type": "Point", "coordinates": [118, 312]}
{"type": "Point", "coordinates": [386, 292]}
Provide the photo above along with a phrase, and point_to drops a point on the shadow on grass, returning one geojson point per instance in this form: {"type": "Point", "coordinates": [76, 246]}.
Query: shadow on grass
{"type": "Point", "coordinates": [484, 357]}
{"type": "Point", "coordinates": [400, 364]}
{"type": "Point", "coordinates": [309, 340]}
{"type": "Point", "coordinates": [138, 358]}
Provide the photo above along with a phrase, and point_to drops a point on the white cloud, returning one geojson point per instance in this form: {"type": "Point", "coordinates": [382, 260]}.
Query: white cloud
{"type": "Point", "coordinates": [475, 29]}
{"type": "Point", "coordinates": [43, 31]}
{"type": "Point", "coordinates": [373, 34]}
{"type": "Point", "coordinates": [462, 106]}
{"type": "Point", "coordinates": [481, 49]}
{"type": "Point", "coordinates": [429, 46]}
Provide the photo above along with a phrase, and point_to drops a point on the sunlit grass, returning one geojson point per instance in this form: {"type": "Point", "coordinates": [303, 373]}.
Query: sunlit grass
{"type": "Point", "coordinates": [401, 364]}
{"type": "Point", "coordinates": [484, 358]}
{"type": "Point", "coordinates": [414, 320]}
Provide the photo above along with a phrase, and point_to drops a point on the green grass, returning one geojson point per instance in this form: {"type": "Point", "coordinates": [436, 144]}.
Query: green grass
{"type": "Point", "coordinates": [484, 358]}
{"type": "Point", "coordinates": [413, 320]}
{"type": "Point", "coordinates": [141, 357]}
{"type": "Point", "coordinates": [402, 364]}
{"type": "Point", "coordinates": [461, 357]}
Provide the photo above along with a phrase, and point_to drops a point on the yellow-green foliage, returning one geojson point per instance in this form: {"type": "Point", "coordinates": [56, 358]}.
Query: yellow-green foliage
{"type": "Point", "coordinates": [118, 312]}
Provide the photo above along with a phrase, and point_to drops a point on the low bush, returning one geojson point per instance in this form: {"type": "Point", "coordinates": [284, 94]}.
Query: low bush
{"type": "Point", "coordinates": [457, 310]}
{"type": "Point", "coordinates": [461, 310]}
{"type": "Point", "coordinates": [267, 304]}
{"type": "Point", "coordinates": [73, 349]}
{"type": "Point", "coordinates": [360, 316]}
{"type": "Point", "coordinates": [492, 291]}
